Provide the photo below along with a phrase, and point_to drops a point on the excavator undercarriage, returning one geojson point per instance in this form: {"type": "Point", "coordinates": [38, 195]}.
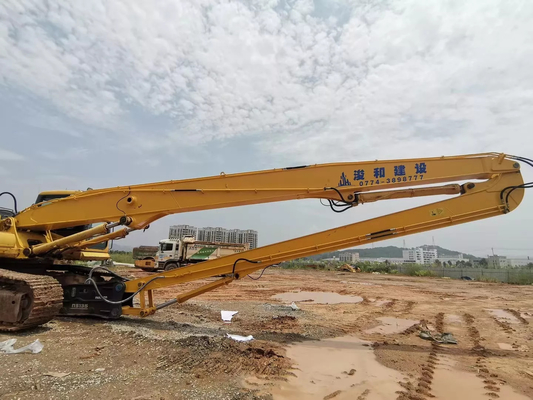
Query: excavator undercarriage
{"type": "Point", "coordinates": [41, 246]}
{"type": "Point", "coordinates": [28, 300]}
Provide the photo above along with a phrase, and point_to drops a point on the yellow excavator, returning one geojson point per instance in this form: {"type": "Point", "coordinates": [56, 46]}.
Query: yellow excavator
{"type": "Point", "coordinates": [40, 277]}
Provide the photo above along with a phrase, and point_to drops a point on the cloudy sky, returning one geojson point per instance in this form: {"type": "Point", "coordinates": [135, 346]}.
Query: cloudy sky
{"type": "Point", "coordinates": [105, 93]}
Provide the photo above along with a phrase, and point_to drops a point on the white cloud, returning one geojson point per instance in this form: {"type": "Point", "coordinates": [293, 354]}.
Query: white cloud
{"type": "Point", "coordinates": [75, 153]}
{"type": "Point", "coordinates": [6, 155]}
{"type": "Point", "coordinates": [391, 71]}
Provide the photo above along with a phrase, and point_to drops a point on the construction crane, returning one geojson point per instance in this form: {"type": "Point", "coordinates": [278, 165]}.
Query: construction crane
{"type": "Point", "coordinates": [39, 245]}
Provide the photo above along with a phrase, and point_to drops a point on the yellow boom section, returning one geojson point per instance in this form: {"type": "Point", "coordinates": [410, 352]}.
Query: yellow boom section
{"type": "Point", "coordinates": [476, 201]}
{"type": "Point", "coordinates": [143, 204]}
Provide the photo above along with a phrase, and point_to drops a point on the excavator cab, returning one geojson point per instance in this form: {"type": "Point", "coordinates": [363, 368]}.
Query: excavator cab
{"type": "Point", "coordinates": [6, 213]}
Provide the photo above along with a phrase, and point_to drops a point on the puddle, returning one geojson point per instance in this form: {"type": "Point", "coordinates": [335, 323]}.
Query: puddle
{"type": "Point", "coordinates": [381, 303]}
{"type": "Point", "coordinates": [452, 384]}
{"type": "Point", "coordinates": [323, 367]}
{"type": "Point", "coordinates": [505, 346]}
{"type": "Point", "coordinates": [318, 297]}
{"type": "Point", "coordinates": [453, 319]}
{"type": "Point", "coordinates": [392, 325]}
{"type": "Point", "coordinates": [504, 316]}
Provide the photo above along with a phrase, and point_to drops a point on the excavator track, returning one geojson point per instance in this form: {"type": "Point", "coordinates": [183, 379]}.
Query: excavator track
{"type": "Point", "coordinates": [27, 301]}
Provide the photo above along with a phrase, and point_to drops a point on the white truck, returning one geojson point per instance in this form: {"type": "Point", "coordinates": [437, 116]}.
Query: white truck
{"type": "Point", "coordinates": [176, 253]}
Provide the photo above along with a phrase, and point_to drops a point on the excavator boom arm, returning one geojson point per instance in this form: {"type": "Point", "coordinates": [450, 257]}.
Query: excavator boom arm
{"type": "Point", "coordinates": [478, 202]}
{"type": "Point", "coordinates": [498, 195]}
{"type": "Point", "coordinates": [145, 203]}
{"type": "Point", "coordinates": [32, 235]}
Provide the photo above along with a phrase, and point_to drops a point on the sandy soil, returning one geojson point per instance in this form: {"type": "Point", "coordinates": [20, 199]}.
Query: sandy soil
{"type": "Point", "coordinates": [369, 344]}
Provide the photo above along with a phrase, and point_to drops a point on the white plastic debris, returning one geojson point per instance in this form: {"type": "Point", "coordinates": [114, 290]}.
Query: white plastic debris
{"type": "Point", "coordinates": [7, 347]}
{"type": "Point", "coordinates": [240, 338]}
{"type": "Point", "coordinates": [294, 306]}
{"type": "Point", "coordinates": [227, 315]}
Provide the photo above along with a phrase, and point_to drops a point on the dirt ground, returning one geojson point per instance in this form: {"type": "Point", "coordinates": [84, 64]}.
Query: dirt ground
{"type": "Point", "coordinates": [182, 352]}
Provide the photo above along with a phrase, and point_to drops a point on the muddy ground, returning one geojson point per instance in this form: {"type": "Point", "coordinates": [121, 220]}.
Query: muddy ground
{"type": "Point", "coordinates": [182, 352]}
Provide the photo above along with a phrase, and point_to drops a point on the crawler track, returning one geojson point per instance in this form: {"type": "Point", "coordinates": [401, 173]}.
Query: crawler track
{"type": "Point", "coordinates": [45, 294]}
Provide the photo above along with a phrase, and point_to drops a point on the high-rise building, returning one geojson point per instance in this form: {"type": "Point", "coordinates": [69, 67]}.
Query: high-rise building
{"type": "Point", "coordinates": [178, 231]}
{"type": "Point", "coordinates": [420, 256]}
{"type": "Point", "coordinates": [209, 234]}
{"type": "Point", "coordinates": [218, 234]}
{"type": "Point", "coordinates": [349, 257]}
{"type": "Point", "coordinates": [248, 236]}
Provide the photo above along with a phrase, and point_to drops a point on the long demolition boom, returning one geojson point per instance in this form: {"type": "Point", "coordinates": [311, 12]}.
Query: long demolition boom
{"type": "Point", "coordinates": [475, 201]}
{"type": "Point", "coordinates": [498, 189]}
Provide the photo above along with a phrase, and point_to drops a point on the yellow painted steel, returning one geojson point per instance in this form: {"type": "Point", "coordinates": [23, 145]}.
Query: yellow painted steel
{"type": "Point", "coordinates": [66, 241]}
{"type": "Point", "coordinates": [356, 183]}
{"type": "Point", "coordinates": [476, 203]}
{"type": "Point", "coordinates": [148, 202]}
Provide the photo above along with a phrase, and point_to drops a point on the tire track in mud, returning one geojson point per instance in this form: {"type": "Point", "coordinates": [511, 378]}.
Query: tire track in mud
{"type": "Point", "coordinates": [483, 372]}
{"type": "Point", "coordinates": [473, 333]}
{"type": "Point", "coordinates": [354, 320]}
{"type": "Point", "coordinates": [517, 315]}
{"type": "Point", "coordinates": [504, 325]}
{"type": "Point", "coordinates": [364, 395]}
{"type": "Point", "coordinates": [409, 307]}
{"type": "Point", "coordinates": [439, 322]}
{"type": "Point", "coordinates": [390, 305]}
{"type": "Point", "coordinates": [421, 390]}
{"type": "Point", "coordinates": [488, 378]}
{"type": "Point", "coordinates": [393, 305]}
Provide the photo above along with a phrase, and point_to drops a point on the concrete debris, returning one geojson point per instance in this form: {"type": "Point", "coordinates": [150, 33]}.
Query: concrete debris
{"type": "Point", "coordinates": [294, 306]}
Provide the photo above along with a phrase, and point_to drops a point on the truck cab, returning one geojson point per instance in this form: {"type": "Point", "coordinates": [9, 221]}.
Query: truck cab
{"type": "Point", "coordinates": [168, 250]}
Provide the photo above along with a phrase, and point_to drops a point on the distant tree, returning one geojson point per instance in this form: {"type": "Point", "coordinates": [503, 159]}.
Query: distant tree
{"type": "Point", "coordinates": [529, 265]}
{"type": "Point", "coordinates": [438, 263]}
{"type": "Point", "coordinates": [483, 263]}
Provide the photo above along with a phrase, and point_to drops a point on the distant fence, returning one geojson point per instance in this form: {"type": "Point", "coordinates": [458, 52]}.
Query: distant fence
{"type": "Point", "coordinates": [517, 276]}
